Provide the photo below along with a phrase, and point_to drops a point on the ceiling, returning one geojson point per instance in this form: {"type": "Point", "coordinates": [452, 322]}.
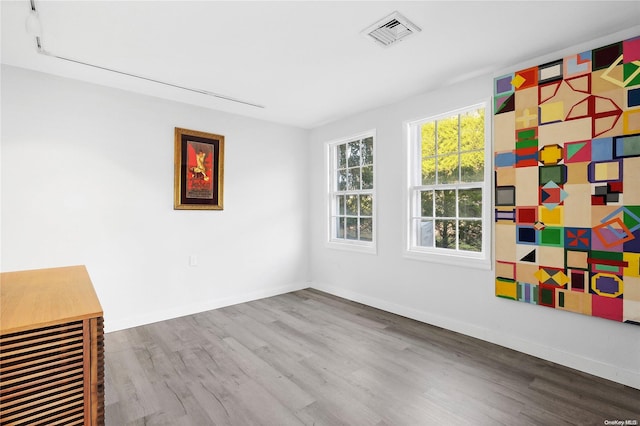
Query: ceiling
{"type": "Point", "coordinates": [305, 61]}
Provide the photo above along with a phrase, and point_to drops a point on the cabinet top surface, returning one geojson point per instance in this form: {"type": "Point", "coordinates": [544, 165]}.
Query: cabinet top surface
{"type": "Point", "coordinates": [38, 298]}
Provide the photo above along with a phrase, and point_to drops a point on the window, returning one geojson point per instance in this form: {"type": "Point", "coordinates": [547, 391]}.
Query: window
{"type": "Point", "coordinates": [447, 187]}
{"type": "Point", "coordinates": [352, 193]}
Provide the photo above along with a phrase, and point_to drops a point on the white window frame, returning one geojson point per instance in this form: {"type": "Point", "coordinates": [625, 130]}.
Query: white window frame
{"type": "Point", "coordinates": [480, 260]}
{"type": "Point", "coordinates": [331, 170]}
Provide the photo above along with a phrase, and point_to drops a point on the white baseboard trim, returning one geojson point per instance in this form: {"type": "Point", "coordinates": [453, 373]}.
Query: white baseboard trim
{"type": "Point", "coordinates": [567, 359]}
{"type": "Point", "coordinates": [207, 305]}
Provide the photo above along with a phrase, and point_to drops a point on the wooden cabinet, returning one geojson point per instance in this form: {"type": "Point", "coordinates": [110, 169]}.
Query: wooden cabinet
{"type": "Point", "coordinates": [51, 348]}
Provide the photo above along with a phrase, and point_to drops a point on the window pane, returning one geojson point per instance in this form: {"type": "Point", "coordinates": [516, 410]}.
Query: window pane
{"type": "Point", "coordinates": [366, 229]}
{"type": "Point", "coordinates": [339, 227]}
{"type": "Point", "coordinates": [470, 235]}
{"type": "Point", "coordinates": [445, 203]}
{"type": "Point", "coordinates": [352, 205]}
{"type": "Point", "coordinates": [425, 233]}
{"type": "Point", "coordinates": [428, 135]}
{"type": "Point", "coordinates": [428, 171]}
{"type": "Point", "coordinates": [447, 133]}
{"type": "Point", "coordinates": [354, 153]}
{"type": "Point", "coordinates": [353, 179]}
{"type": "Point", "coordinates": [366, 205]}
{"type": "Point", "coordinates": [472, 166]}
{"type": "Point", "coordinates": [339, 205]}
{"type": "Point", "coordinates": [426, 203]}
{"type": "Point", "coordinates": [446, 234]}
{"type": "Point", "coordinates": [367, 177]}
{"type": "Point", "coordinates": [448, 169]}
{"type": "Point", "coordinates": [341, 180]}
{"type": "Point", "coordinates": [470, 202]}
{"type": "Point", "coordinates": [342, 156]}
{"type": "Point", "coordinates": [352, 228]}
{"type": "Point", "coordinates": [367, 151]}
{"type": "Point", "coordinates": [472, 130]}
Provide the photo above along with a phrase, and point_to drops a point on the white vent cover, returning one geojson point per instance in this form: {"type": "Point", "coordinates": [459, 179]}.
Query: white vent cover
{"type": "Point", "coordinates": [391, 29]}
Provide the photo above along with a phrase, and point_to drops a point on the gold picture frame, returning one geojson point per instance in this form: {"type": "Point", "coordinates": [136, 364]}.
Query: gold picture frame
{"type": "Point", "coordinates": [199, 170]}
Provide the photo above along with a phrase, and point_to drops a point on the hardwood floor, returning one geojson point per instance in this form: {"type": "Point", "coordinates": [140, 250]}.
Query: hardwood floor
{"type": "Point", "coordinates": [309, 358]}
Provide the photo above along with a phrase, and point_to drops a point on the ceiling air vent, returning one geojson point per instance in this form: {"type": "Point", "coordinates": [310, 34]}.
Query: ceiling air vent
{"type": "Point", "coordinates": [391, 29]}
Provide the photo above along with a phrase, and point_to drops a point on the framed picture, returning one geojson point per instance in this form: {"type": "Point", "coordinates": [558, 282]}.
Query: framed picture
{"type": "Point", "coordinates": [199, 170]}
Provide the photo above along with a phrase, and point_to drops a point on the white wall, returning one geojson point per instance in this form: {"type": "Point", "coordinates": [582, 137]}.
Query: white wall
{"type": "Point", "coordinates": [87, 178]}
{"type": "Point", "coordinates": [454, 297]}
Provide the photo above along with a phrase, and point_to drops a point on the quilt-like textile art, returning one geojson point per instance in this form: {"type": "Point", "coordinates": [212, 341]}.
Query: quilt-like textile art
{"type": "Point", "coordinates": [567, 176]}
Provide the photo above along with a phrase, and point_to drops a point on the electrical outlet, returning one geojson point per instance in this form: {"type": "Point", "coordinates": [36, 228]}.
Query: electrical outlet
{"type": "Point", "coordinates": [193, 260]}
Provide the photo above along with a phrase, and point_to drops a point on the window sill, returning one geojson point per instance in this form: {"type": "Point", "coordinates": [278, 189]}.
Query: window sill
{"type": "Point", "coordinates": [355, 246]}
{"type": "Point", "coordinates": [458, 260]}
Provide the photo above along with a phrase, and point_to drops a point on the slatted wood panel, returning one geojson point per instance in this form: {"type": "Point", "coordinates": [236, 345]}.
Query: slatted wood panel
{"type": "Point", "coordinates": [43, 376]}
{"type": "Point", "coordinates": [97, 371]}
{"type": "Point", "coordinates": [51, 348]}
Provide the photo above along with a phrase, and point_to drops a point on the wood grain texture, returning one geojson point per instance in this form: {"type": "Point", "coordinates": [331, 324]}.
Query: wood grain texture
{"type": "Point", "coordinates": [51, 343]}
{"type": "Point", "coordinates": [42, 297]}
{"type": "Point", "coordinates": [308, 358]}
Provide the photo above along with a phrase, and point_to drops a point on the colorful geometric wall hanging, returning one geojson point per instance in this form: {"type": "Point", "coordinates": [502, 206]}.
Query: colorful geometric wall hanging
{"type": "Point", "coordinates": [567, 183]}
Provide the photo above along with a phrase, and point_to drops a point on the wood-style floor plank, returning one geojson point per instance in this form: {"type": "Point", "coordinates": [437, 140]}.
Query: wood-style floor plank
{"type": "Point", "coordinates": [309, 358]}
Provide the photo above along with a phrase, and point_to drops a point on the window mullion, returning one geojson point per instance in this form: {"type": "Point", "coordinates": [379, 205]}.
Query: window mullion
{"type": "Point", "coordinates": [436, 157]}
{"type": "Point", "coordinates": [457, 221]}
{"type": "Point", "coordinates": [459, 156]}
